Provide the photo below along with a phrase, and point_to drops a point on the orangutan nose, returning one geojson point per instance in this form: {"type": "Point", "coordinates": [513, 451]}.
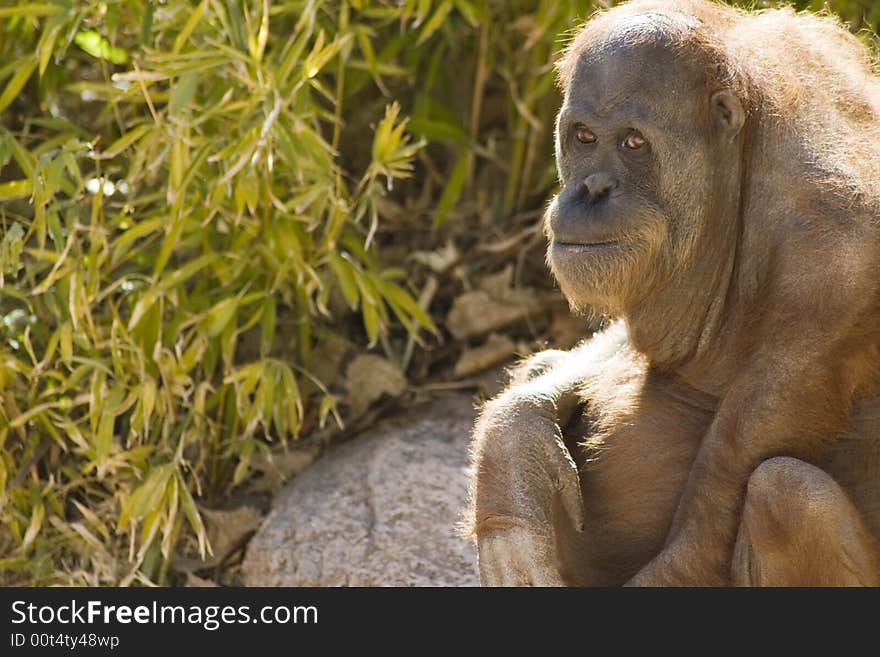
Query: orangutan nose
{"type": "Point", "coordinates": [599, 185]}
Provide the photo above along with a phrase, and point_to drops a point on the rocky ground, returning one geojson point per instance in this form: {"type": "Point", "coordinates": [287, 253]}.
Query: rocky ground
{"type": "Point", "coordinates": [380, 510]}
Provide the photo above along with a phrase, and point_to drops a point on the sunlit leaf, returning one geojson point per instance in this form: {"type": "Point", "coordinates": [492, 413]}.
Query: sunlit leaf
{"type": "Point", "coordinates": [147, 496]}
{"type": "Point", "coordinates": [98, 46]}
{"type": "Point", "coordinates": [189, 26]}
{"type": "Point", "coordinates": [219, 316]}
{"type": "Point", "coordinates": [194, 518]}
{"type": "Point", "coordinates": [32, 9]}
{"type": "Point", "coordinates": [126, 140]}
{"type": "Point", "coordinates": [36, 522]}
{"type": "Point", "coordinates": [17, 81]}
{"type": "Point", "coordinates": [15, 189]}
{"type": "Point", "coordinates": [436, 21]}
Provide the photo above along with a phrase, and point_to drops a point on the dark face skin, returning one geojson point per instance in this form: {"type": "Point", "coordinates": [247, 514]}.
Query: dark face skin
{"type": "Point", "coordinates": [634, 129]}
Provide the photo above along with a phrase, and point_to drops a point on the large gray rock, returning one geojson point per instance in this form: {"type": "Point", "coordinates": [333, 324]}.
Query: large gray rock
{"type": "Point", "coordinates": [377, 511]}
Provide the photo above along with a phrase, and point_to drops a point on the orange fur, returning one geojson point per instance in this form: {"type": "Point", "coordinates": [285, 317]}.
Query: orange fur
{"type": "Point", "coordinates": [744, 264]}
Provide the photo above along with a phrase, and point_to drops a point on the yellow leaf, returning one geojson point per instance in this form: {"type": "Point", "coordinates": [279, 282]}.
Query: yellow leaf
{"type": "Point", "coordinates": [34, 525]}
{"type": "Point", "coordinates": [189, 27]}
{"type": "Point", "coordinates": [345, 278]}
{"type": "Point", "coordinates": [145, 497]}
{"type": "Point", "coordinates": [15, 189]}
{"type": "Point", "coordinates": [104, 439]}
{"type": "Point", "coordinates": [220, 315]}
{"type": "Point", "coordinates": [195, 519]}
{"type": "Point", "coordinates": [46, 47]}
{"type": "Point", "coordinates": [371, 320]}
{"type": "Point", "coordinates": [31, 10]}
{"type": "Point", "coordinates": [127, 140]}
{"type": "Point", "coordinates": [16, 82]}
{"type": "Point", "coordinates": [141, 307]}
{"type": "Point", "coordinates": [435, 22]}
{"type": "Point", "coordinates": [66, 341]}
{"type": "Point", "coordinates": [99, 47]}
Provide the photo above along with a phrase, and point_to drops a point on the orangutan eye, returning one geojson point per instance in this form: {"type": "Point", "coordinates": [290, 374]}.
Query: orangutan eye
{"type": "Point", "coordinates": [585, 135]}
{"type": "Point", "coordinates": [634, 141]}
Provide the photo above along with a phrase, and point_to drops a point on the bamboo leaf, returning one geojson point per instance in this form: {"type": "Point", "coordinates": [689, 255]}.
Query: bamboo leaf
{"type": "Point", "coordinates": [453, 188]}
{"type": "Point", "coordinates": [183, 91]}
{"type": "Point", "coordinates": [32, 10]}
{"type": "Point", "coordinates": [34, 526]}
{"type": "Point", "coordinates": [46, 46]}
{"type": "Point", "coordinates": [219, 316]}
{"type": "Point", "coordinates": [194, 518]}
{"type": "Point", "coordinates": [346, 279]}
{"type": "Point", "coordinates": [17, 81]}
{"type": "Point", "coordinates": [98, 46]}
{"type": "Point", "coordinates": [267, 327]}
{"type": "Point", "coordinates": [188, 28]}
{"type": "Point", "coordinates": [126, 140]}
{"type": "Point", "coordinates": [435, 21]}
{"type": "Point", "coordinates": [145, 497]}
{"type": "Point", "coordinates": [104, 438]}
{"type": "Point", "coordinates": [400, 298]}
{"type": "Point", "coordinates": [15, 189]}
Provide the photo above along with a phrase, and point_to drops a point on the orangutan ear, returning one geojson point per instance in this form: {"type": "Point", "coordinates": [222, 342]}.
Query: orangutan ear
{"type": "Point", "coordinates": [727, 113]}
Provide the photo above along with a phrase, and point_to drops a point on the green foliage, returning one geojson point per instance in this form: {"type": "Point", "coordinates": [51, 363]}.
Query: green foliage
{"type": "Point", "coordinates": [171, 186]}
{"type": "Point", "coordinates": [191, 201]}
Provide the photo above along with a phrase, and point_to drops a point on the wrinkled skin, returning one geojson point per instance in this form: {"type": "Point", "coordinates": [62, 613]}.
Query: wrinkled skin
{"type": "Point", "coordinates": [723, 205]}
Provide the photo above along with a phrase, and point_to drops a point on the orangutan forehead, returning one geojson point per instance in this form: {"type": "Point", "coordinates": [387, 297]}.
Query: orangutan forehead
{"type": "Point", "coordinates": [652, 28]}
{"type": "Point", "coordinates": [614, 75]}
{"type": "Point", "coordinates": [637, 44]}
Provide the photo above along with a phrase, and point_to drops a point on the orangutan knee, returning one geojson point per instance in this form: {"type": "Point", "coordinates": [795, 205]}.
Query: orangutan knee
{"type": "Point", "coordinates": [799, 528]}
